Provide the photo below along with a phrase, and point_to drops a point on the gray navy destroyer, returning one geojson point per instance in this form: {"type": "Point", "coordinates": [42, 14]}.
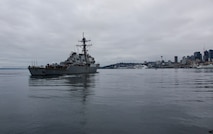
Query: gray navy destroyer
{"type": "Point", "coordinates": [76, 63]}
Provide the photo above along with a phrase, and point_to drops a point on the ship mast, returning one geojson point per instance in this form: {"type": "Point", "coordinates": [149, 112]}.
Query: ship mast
{"type": "Point", "coordinates": [84, 47]}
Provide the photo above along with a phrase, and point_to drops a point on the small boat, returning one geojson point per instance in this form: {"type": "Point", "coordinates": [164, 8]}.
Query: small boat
{"type": "Point", "coordinates": [209, 66]}
{"type": "Point", "coordinates": [75, 64]}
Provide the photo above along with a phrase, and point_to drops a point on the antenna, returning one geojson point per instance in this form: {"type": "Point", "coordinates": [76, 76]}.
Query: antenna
{"type": "Point", "coordinates": [204, 47]}
{"type": "Point", "coordinates": [84, 45]}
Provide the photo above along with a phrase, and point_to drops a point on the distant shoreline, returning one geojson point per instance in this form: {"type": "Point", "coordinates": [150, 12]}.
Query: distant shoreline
{"type": "Point", "coordinates": [13, 68]}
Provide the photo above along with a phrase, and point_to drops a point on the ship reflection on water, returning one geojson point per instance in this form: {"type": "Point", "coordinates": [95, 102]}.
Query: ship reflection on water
{"type": "Point", "coordinates": [58, 86]}
{"type": "Point", "coordinates": [61, 101]}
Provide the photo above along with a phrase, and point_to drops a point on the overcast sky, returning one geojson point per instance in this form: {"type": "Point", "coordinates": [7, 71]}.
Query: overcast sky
{"type": "Point", "coordinates": [47, 31]}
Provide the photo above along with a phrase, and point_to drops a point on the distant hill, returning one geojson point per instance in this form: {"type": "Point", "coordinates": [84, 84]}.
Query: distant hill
{"type": "Point", "coordinates": [121, 66]}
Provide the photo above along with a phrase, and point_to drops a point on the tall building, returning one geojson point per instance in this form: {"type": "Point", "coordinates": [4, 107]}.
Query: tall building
{"type": "Point", "coordinates": [198, 56]}
{"type": "Point", "coordinates": [210, 55]}
{"type": "Point", "coordinates": [206, 56]}
{"type": "Point", "coordinates": [176, 59]}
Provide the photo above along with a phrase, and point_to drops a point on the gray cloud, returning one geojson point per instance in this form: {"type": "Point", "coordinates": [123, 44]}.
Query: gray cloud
{"type": "Point", "coordinates": [131, 30]}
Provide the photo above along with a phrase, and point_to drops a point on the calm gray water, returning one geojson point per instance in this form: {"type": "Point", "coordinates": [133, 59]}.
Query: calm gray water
{"type": "Point", "coordinates": [163, 101]}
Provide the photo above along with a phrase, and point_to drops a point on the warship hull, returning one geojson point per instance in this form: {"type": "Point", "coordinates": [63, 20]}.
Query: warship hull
{"type": "Point", "coordinates": [36, 71]}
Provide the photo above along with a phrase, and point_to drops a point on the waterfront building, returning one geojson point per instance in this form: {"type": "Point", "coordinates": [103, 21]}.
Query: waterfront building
{"type": "Point", "coordinates": [210, 55]}
{"type": "Point", "coordinates": [184, 60]}
{"type": "Point", "coordinates": [206, 56]}
{"type": "Point", "coordinates": [176, 59]}
{"type": "Point", "coordinates": [198, 56]}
